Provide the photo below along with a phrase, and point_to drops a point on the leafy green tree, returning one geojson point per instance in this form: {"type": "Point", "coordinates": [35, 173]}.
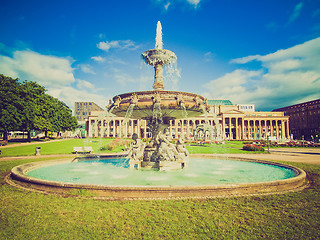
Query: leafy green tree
{"type": "Point", "coordinates": [11, 105]}
{"type": "Point", "coordinates": [25, 106]}
{"type": "Point", "coordinates": [55, 116]}
{"type": "Point", "coordinates": [31, 93]}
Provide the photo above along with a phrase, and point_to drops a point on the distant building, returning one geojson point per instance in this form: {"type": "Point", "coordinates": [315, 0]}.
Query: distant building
{"type": "Point", "coordinates": [224, 121]}
{"type": "Point", "coordinates": [246, 107]}
{"type": "Point", "coordinates": [84, 109]}
{"type": "Point", "coordinates": [304, 119]}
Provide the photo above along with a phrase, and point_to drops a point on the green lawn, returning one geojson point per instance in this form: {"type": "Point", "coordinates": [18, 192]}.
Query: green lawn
{"type": "Point", "coordinates": [58, 147]}
{"type": "Point", "coordinates": [66, 147]}
{"type": "Point", "coordinates": [28, 215]}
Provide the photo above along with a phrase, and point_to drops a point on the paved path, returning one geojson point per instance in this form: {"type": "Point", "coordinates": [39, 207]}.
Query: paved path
{"type": "Point", "coordinates": [303, 155]}
{"type": "Point", "coordinates": [33, 143]}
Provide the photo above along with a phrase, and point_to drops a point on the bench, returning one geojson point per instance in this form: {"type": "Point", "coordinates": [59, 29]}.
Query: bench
{"type": "Point", "coordinates": [82, 150]}
{"type": "Point", "coordinates": [3, 142]}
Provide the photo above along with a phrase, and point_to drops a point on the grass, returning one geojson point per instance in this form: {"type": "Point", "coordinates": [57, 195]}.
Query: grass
{"type": "Point", "coordinates": [66, 147]}
{"type": "Point", "coordinates": [28, 215]}
{"type": "Point", "coordinates": [58, 147]}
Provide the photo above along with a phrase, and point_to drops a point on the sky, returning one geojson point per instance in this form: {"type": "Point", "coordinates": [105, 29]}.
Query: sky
{"type": "Point", "coordinates": [264, 52]}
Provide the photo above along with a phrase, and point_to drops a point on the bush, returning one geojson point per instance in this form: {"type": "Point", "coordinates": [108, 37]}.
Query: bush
{"type": "Point", "coordinates": [115, 144]}
{"type": "Point", "coordinates": [252, 147]}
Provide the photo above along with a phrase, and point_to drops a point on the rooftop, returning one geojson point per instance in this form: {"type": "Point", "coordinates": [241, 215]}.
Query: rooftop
{"type": "Point", "coordinates": [219, 102]}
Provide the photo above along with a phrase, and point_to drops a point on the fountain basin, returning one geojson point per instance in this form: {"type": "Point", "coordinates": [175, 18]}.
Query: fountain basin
{"type": "Point", "coordinates": [174, 104]}
{"type": "Point", "coordinates": [164, 188]}
{"type": "Point", "coordinates": [159, 56]}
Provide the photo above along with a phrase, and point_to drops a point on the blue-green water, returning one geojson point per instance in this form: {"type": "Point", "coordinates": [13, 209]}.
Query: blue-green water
{"type": "Point", "coordinates": [199, 172]}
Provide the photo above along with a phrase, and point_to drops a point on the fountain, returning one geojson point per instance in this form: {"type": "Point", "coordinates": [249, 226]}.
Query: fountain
{"type": "Point", "coordinates": [158, 107]}
{"type": "Point", "coordinates": [112, 176]}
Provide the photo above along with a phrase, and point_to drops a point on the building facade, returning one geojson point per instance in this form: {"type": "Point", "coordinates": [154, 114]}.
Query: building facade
{"type": "Point", "coordinates": [223, 121]}
{"type": "Point", "coordinates": [304, 120]}
{"type": "Point", "coordinates": [82, 110]}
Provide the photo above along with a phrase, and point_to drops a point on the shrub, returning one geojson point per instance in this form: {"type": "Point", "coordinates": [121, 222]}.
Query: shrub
{"type": "Point", "coordinates": [115, 144]}
{"type": "Point", "coordinates": [252, 147]}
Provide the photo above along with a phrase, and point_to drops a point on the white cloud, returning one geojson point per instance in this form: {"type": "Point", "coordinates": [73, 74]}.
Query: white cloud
{"type": "Point", "coordinates": [208, 56]}
{"type": "Point", "coordinates": [287, 76]}
{"type": "Point", "coordinates": [82, 84]}
{"type": "Point", "coordinates": [44, 69]}
{"type": "Point", "coordinates": [194, 2]}
{"type": "Point", "coordinates": [166, 4]}
{"type": "Point", "coordinates": [98, 59]}
{"type": "Point", "coordinates": [70, 95]}
{"type": "Point", "coordinates": [86, 68]}
{"type": "Point", "coordinates": [54, 73]}
{"type": "Point", "coordinates": [166, 7]}
{"type": "Point", "coordinates": [123, 79]}
{"type": "Point", "coordinates": [120, 44]}
{"type": "Point", "coordinates": [296, 12]}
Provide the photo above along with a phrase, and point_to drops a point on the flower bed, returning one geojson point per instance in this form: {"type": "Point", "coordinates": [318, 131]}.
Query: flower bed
{"type": "Point", "coordinates": [253, 147]}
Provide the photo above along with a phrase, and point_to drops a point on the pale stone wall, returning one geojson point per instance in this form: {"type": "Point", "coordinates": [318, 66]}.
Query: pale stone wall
{"type": "Point", "coordinates": [232, 124]}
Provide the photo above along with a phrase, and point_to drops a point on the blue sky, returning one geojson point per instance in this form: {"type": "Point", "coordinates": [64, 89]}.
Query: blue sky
{"type": "Point", "coordinates": [262, 52]}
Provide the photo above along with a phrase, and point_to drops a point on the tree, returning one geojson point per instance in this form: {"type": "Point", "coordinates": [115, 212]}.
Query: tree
{"type": "Point", "coordinates": [31, 93]}
{"type": "Point", "coordinates": [25, 106]}
{"type": "Point", "coordinates": [63, 119]}
{"type": "Point", "coordinates": [10, 105]}
{"type": "Point", "coordinates": [54, 116]}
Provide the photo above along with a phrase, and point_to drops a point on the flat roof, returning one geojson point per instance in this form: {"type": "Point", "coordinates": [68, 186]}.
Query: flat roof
{"type": "Point", "coordinates": [219, 102]}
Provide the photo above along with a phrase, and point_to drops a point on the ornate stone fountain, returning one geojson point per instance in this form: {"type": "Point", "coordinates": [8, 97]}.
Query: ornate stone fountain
{"type": "Point", "coordinates": [158, 107]}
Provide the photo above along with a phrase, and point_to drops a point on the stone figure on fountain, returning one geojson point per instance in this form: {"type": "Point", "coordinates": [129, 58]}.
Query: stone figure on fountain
{"type": "Point", "coordinates": [136, 148]}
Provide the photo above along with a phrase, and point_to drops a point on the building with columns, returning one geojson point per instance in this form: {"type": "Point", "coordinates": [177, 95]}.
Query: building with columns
{"type": "Point", "coordinates": [223, 121]}
{"type": "Point", "coordinates": [304, 120]}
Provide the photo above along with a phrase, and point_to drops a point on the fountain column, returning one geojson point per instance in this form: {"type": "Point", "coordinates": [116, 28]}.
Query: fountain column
{"type": "Point", "coordinates": [158, 82]}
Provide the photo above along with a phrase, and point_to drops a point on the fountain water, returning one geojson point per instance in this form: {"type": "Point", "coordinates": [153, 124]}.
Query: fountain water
{"type": "Point", "coordinates": [158, 107]}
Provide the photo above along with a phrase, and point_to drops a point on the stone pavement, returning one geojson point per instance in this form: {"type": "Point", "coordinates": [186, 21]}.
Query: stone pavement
{"type": "Point", "coordinates": [303, 155]}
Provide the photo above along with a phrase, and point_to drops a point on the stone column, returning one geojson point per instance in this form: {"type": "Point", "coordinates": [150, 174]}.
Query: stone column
{"type": "Point", "coordinates": [96, 133]}
{"type": "Point", "coordinates": [108, 128]}
{"type": "Point", "coordinates": [223, 124]}
{"type": "Point", "coordinates": [287, 129]}
{"type": "Point", "coordinates": [230, 127]}
{"type": "Point", "coordinates": [237, 130]}
{"type": "Point", "coordinates": [158, 83]}
{"type": "Point", "coordinates": [89, 128]}
{"type": "Point", "coordinates": [145, 128]}
{"type": "Point", "coordinates": [260, 128]}
{"type": "Point", "coordinates": [282, 130]}
{"type": "Point", "coordinates": [277, 129]}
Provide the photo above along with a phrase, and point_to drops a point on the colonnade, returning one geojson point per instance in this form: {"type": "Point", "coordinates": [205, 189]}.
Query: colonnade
{"type": "Point", "coordinates": [229, 127]}
{"type": "Point", "coordinates": [253, 128]}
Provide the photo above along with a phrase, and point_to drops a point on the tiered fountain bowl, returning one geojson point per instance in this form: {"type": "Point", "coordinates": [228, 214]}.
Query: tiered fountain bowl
{"type": "Point", "coordinates": [173, 104]}
{"type": "Point", "coordinates": [159, 56]}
